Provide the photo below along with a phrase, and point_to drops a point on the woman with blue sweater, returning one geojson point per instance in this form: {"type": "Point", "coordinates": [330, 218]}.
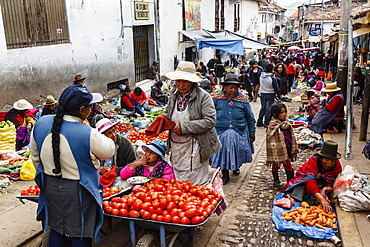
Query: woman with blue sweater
{"type": "Point", "coordinates": [235, 127]}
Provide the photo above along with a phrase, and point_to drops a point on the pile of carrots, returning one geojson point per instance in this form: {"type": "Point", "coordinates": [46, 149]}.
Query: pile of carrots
{"type": "Point", "coordinates": [311, 216]}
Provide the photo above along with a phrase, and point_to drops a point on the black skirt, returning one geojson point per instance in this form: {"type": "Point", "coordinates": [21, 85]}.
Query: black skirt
{"type": "Point", "coordinates": [65, 208]}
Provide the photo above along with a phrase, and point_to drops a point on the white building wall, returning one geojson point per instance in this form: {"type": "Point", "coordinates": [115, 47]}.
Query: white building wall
{"type": "Point", "coordinates": [96, 51]}
{"type": "Point", "coordinates": [249, 19]}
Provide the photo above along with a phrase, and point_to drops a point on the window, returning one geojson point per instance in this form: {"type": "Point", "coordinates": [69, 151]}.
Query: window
{"type": "Point", "coordinates": [219, 15]}
{"type": "Point", "coordinates": [29, 23]}
{"type": "Point", "coordinates": [236, 17]}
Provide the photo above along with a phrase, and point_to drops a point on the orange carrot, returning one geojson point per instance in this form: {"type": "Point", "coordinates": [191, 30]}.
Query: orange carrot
{"type": "Point", "coordinates": [320, 226]}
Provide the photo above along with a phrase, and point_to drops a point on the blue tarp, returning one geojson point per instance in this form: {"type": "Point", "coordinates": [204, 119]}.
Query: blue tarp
{"type": "Point", "coordinates": [231, 46]}
{"type": "Point", "coordinates": [309, 231]}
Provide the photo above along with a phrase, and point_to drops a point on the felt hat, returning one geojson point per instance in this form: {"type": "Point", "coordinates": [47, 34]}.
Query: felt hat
{"type": "Point", "coordinates": [331, 87]}
{"type": "Point", "coordinates": [185, 71]}
{"type": "Point", "coordinates": [104, 124]}
{"type": "Point", "coordinates": [329, 150]}
{"type": "Point", "coordinates": [77, 95]}
{"type": "Point", "coordinates": [79, 78]}
{"type": "Point", "coordinates": [230, 79]}
{"type": "Point", "coordinates": [22, 104]}
{"type": "Point", "coordinates": [50, 100]}
{"type": "Point", "coordinates": [157, 146]}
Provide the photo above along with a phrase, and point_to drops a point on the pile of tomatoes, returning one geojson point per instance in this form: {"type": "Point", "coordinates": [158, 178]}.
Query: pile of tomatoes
{"type": "Point", "coordinates": [140, 135]}
{"type": "Point", "coordinates": [167, 201]}
{"type": "Point", "coordinates": [33, 190]}
{"type": "Point", "coordinates": [122, 128]}
{"type": "Point", "coordinates": [107, 192]}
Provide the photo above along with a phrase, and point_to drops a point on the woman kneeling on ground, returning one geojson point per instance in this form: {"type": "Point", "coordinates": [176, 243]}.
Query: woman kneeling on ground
{"type": "Point", "coordinates": [315, 178]}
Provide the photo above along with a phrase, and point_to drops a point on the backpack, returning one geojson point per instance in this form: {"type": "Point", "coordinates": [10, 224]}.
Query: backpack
{"type": "Point", "coordinates": [366, 150]}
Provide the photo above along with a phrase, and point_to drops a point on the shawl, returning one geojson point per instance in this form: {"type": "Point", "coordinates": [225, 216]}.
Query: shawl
{"type": "Point", "coordinates": [276, 149]}
{"type": "Point", "coordinates": [310, 170]}
{"type": "Point", "coordinates": [182, 102]}
{"type": "Point", "coordinates": [157, 173]}
{"type": "Point", "coordinates": [240, 98]}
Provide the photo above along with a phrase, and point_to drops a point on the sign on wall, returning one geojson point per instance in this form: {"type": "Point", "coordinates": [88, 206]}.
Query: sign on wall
{"type": "Point", "coordinates": [141, 11]}
{"type": "Point", "coordinates": [193, 14]}
{"type": "Point", "coordinates": [315, 31]}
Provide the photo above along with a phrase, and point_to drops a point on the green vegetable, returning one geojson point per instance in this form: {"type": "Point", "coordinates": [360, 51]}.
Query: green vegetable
{"type": "Point", "coordinates": [5, 171]}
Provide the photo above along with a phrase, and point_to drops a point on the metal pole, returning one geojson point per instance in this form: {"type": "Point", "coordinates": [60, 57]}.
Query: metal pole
{"type": "Point", "coordinates": [322, 22]}
{"type": "Point", "coordinates": [345, 6]}
{"type": "Point", "coordinates": [349, 104]}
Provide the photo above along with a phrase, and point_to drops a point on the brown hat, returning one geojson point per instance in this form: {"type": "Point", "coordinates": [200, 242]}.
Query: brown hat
{"type": "Point", "coordinates": [50, 100]}
{"type": "Point", "coordinates": [329, 150]}
{"type": "Point", "coordinates": [79, 78]}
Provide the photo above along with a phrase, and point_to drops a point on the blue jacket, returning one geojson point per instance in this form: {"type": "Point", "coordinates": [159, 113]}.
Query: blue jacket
{"type": "Point", "coordinates": [89, 177]}
{"type": "Point", "coordinates": [240, 117]}
{"type": "Point", "coordinates": [250, 73]}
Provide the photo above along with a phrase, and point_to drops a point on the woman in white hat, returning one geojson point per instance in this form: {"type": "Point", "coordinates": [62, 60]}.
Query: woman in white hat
{"type": "Point", "coordinates": [194, 139]}
{"type": "Point", "coordinates": [49, 105]}
{"type": "Point", "coordinates": [331, 115]}
{"type": "Point", "coordinates": [22, 122]}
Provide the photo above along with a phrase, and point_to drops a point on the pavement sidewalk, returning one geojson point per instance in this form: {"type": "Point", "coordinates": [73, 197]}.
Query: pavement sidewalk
{"type": "Point", "coordinates": [353, 226]}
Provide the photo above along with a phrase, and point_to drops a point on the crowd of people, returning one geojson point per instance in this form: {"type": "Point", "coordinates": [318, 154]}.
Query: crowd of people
{"type": "Point", "coordinates": [74, 144]}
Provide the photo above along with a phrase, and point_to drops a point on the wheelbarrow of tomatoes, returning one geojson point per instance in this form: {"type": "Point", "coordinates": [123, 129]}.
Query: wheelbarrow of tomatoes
{"type": "Point", "coordinates": [167, 207]}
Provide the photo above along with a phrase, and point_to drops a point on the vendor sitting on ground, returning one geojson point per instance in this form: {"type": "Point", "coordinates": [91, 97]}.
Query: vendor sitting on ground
{"type": "Point", "coordinates": [140, 97]}
{"type": "Point", "coordinates": [319, 84]}
{"type": "Point", "coordinates": [23, 124]}
{"type": "Point", "coordinates": [125, 152]}
{"type": "Point", "coordinates": [152, 165]}
{"type": "Point", "coordinates": [317, 175]}
{"type": "Point", "coordinates": [129, 107]}
{"type": "Point", "coordinates": [313, 105]}
{"type": "Point", "coordinates": [160, 97]}
{"type": "Point", "coordinates": [49, 105]}
{"type": "Point", "coordinates": [331, 115]}
{"type": "Point", "coordinates": [97, 113]}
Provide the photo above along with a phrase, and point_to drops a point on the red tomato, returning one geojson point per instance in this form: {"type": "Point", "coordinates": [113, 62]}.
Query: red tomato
{"type": "Point", "coordinates": [124, 205]}
{"type": "Point", "coordinates": [107, 210]}
{"type": "Point", "coordinates": [158, 187]}
{"type": "Point", "coordinates": [186, 188]}
{"type": "Point", "coordinates": [176, 220]}
{"type": "Point", "coordinates": [130, 201]}
{"type": "Point", "coordinates": [169, 198]}
{"type": "Point", "coordinates": [151, 210]}
{"type": "Point", "coordinates": [204, 204]}
{"type": "Point", "coordinates": [182, 214]}
{"type": "Point", "coordinates": [141, 195]}
{"type": "Point", "coordinates": [105, 194]}
{"type": "Point", "coordinates": [170, 206]}
{"type": "Point", "coordinates": [193, 191]}
{"type": "Point", "coordinates": [163, 202]}
{"type": "Point", "coordinates": [165, 212]}
{"type": "Point", "coordinates": [148, 199]}
{"type": "Point", "coordinates": [114, 211]}
{"type": "Point", "coordinates": [160, 218]}
{"type": "Point", "coordinates": [155, 204]}
{"type": "Point", "coordinates": [105, 204]}
{"type": "Point", "coordinates": [137, 205]}
{"type": "Point", "coordinates": [133, 214]}
{"type": "Point", "coordinates": [196, 220]}
{"type": "Point", "coordinates": [172, 181]}
{"type": "Point", "coordinates": [205, 214]}
{"type": "Point", "coordinates": [123, 212]}
{"type": "Point", "coordinates": [167, 218]}
{"type": "Point", "coordinates": [145, 214]}
{"type": "Point", "coordinates": [190, 213]}
{"type": "Point", "coordinates": [177, 192]}
{"type": "Point", "coordinates": [154, 216]}
{"type": "Point", "coordinates": [200, 210]}
{"type": "Point", "coordinates": [155, 195]}
{"type": "Point", "coordinates": [145, 205]}
{"type": "Point", "coordinates": [159, 210]}
{"type": "Point", "coordinates": [116, 205]}
{"type": "Point", "coordinates": [185, 221]}
{"type": "Point", "coordinates": [115, 199]}
{"type": "Point", "coordinates": [174, 212]}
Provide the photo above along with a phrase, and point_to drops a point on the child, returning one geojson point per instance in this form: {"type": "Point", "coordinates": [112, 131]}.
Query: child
{"type": "Point", "coordinates": [152, 165]}
{"type": "Point", "coordinates": [281, 145]}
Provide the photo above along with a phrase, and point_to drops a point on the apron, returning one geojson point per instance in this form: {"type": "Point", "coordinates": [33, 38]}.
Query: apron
{"type": "Point", "coordinates": [185, 156]}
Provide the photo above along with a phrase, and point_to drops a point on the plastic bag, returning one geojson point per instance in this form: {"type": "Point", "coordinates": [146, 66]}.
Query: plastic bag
{"type": "Point", "coordinates": [351, 200]}
{"type": "Point", "coordinates": [285, 202]}
{"type": "Point", "coordinates": [344, 180]}
{"type": "Point", "coordinates": [108, 178]}
{"type": "Point", "coordinates": [7, 138]}
{"type": "Point", "coordinates": [28, 171]}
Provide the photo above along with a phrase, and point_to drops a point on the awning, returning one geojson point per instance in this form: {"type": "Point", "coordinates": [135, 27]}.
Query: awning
{"type": "Point", "coordinates": [361, 31]}
{"type": "Point", "coordinates": [196, 34]}
{"type": "Point", "coordinates": [247, 42]}
{"type": "Point", "coordinates": [228, 45]}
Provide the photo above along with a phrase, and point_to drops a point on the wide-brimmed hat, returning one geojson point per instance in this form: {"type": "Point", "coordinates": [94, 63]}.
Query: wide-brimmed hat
{"type": "Point", "coordinates": [50, 100]}
{"type": "Point", "coordinates": [331, 87]}
{"type": "Point", "coordinates": [157, 146]}
{"type": "Point", "coordinates": [22, 104]}
{"type": "Point", "coordinates": [77, 95]}
{"type": "Point", "coordinates": [230, 79]}
{"type": "Point", "coordinates": [104, 124]}
{"type": "Point", "coordinates": [79, 78]}
{"type": "Point", "coordinates": [329, 150]}
{"type": "Point", "coordinates": [185, 71]}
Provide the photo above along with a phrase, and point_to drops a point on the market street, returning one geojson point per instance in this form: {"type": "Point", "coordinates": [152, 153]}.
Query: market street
{"type": "Point", "coordinates": [246, 222]}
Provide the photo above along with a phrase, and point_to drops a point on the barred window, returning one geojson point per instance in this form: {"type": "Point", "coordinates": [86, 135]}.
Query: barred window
{"type": "Point", "coordinates": [29, 23]}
